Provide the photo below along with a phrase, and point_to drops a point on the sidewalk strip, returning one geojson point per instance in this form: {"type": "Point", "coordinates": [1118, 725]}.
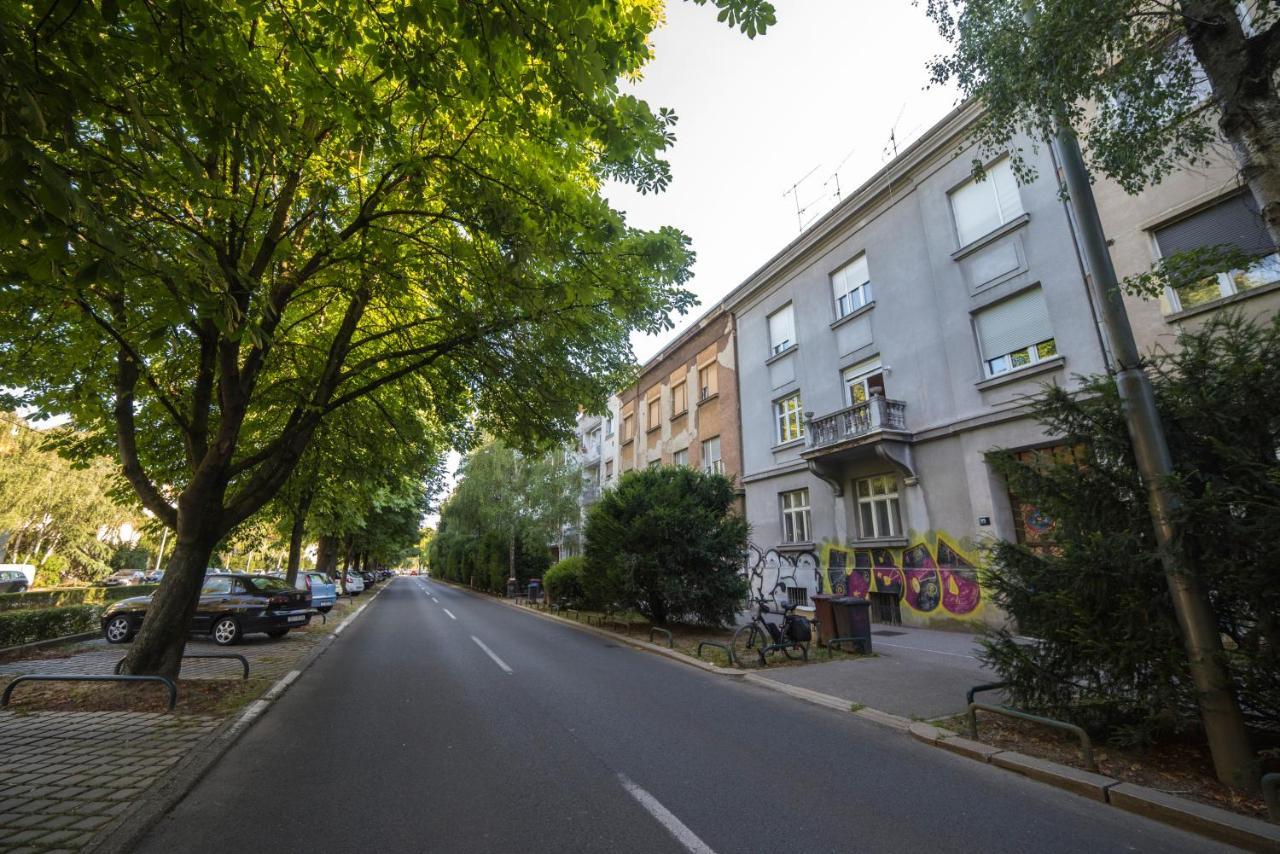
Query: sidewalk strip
{"type": "Point", "coordinates": [666, 818]}
{"type": "Point", "coordinates": [450, 613]}
{"type": "Point", "coordinates": [491, 654]}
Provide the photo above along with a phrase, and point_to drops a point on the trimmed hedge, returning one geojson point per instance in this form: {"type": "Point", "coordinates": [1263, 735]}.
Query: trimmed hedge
{"type": "Point", "coordinates": [60, 597]}
{"type": "Point", "coordinates": [563, 581]}
{"type": "Point", "coordinates": [37, 624]}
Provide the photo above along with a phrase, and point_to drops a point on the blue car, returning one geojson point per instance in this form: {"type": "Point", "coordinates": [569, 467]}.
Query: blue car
{"type": "Point", "coordinates": [324, 593]}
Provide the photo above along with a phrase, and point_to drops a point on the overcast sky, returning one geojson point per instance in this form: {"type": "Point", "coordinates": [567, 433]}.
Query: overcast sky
{"type": "Point", "coordinates": [823, 88]}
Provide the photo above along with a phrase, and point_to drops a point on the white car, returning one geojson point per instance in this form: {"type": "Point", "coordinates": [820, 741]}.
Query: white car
{"type": "Point", "coordinates": [353, 584]}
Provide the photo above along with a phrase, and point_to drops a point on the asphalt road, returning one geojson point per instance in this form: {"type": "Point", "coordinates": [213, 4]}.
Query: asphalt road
{"type": "Point", "coordinates": [443, 721]}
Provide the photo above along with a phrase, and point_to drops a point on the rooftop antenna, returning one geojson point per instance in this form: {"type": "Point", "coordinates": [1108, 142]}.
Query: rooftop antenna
{"type": "Point", "coordinates": [835, 176]}
{"type": "Point", "coordinates": [893, 133]}
{"type": "Point", "coordinates": [793, 191]}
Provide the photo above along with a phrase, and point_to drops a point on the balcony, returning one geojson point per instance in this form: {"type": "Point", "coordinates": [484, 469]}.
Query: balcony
{"type": "Point", "coordinates": [847, 426]}
{"type": "Point", "coordinates": [590, 494]}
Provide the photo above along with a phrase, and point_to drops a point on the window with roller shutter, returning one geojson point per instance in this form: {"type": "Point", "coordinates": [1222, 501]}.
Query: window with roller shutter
{"type": "Point", "coordinates": [1015, 333]}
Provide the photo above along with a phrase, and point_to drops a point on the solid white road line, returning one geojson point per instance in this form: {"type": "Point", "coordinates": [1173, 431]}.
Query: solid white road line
{"type": "Point", "coordinates": [450, 613]}
{"type": "Point", "coordinates": [666, 818]}
{"type": "Point", "coordinates": [492, 654]}
{"type": "Point", "coordinates": [434, 599]}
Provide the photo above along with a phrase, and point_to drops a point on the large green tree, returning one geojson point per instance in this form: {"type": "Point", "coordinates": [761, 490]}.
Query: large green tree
{"type": "Point", "coordinates": [221, 221]}
{"type": "Point", "coordinates": [1141, 82]}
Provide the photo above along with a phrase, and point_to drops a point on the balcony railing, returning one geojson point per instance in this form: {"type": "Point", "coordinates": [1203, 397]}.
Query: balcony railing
{"type": "Point", "coordinates": [878, 413]}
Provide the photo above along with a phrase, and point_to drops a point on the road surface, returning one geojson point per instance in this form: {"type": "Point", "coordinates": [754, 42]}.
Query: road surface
{"type": "Point", "coordinates": [444, 721]}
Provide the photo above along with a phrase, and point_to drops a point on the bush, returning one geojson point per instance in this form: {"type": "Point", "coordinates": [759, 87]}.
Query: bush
{"type": "Point", "coordinates": [51, 572]}
{"type": "Point", "coordinates": [37, 624]}
{"type": "Point", "coordinates": [563, 581]}
{"type": "Point", "coordinates": [1110, 655]}
{"type": "Point", "coordinates": [58, 597]}
{"type": "Point", "coordinates": [666, 542]}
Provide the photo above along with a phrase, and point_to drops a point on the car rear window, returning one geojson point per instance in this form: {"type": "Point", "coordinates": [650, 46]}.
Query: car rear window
{"type": "Point", "coordinates": [268, 585]}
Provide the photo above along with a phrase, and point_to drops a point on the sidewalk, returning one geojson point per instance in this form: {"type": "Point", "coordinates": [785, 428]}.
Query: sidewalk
{"type": "Point", "coordinates": [917, 673]}
{"type": "Point", "coordinates": [72, 778]}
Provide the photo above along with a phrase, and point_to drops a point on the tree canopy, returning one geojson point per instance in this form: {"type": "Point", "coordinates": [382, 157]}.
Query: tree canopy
{"type": "Point", "coordinates": [1141, 83]}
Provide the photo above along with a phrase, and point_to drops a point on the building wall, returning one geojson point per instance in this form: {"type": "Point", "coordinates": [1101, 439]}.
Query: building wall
{"type": "Point", "coordinates": [921, 325]}
{"type": "Point", "coordinates": [1129, 221]}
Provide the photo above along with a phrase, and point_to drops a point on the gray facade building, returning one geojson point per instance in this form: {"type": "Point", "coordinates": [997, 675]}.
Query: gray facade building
{"type": "Point", "coordinates": [886, 350]}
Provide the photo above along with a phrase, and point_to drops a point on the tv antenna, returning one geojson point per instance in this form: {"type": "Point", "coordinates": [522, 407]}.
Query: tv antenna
{"type": "Point", "coordinates": [794, 192]}
{"type": "Point", "coordinates": [835, 176]}
{"type": "Point", "coordinates": [893, 133]}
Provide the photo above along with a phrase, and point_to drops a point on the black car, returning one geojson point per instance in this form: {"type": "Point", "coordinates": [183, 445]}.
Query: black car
{"type": "Point", "coordinates": [370, 578]}
{"type": "Point", "coordinates": [231, 606]}
{"type": "Point", "coordinates": [12, 581]}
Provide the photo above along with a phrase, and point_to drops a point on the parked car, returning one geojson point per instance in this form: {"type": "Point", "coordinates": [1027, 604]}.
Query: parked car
{"type": "Point", "coordinates": [155, 576]}
{"type": "Point", "coordinates": [12, 581]}
{"type": "Point", "coordinates": [353, 583]}
{"type": "Point", "coordinates": [370, 578]}
{"type": "Point", "coordinates": [230, 607]}
{"type": "Point", "coordinates": [125, 578]}
{"type": "Point", "coordinates": [324, 593]}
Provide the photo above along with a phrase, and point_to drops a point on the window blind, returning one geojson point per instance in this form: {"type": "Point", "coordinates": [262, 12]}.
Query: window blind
{"type": "Point", "coordinates": [1013, 324]}
{"type": "Point", "coordinates": [1234, 221]}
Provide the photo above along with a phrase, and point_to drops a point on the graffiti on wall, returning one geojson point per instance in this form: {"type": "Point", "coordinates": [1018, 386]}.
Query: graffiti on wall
{"type": "Point", "coordinates": [770, 573]}
{"type": "Point", "coordinates": [932, 575]}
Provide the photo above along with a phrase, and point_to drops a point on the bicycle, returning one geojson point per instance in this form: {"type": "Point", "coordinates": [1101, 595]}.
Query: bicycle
{"type": "Point", "coordinates": [763, 637]}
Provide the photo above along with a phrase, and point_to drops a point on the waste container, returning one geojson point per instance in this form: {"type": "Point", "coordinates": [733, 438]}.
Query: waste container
{"type": "Point", "coordinates": [853, 620]}
{"type": "Point", "coordinates": [535, 590]}
{"type": "Point", "coordinates": [513, 587]}
{"type": "Point", "coordinates": [824, 615]}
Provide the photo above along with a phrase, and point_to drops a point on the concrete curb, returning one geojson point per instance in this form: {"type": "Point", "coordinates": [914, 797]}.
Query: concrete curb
{"type": "Point", "coordinates": [170, 789]}
{"type": "Point", "coordinates": [82, 636]}
{"type": "Point", "coordinates": [1218, 824]}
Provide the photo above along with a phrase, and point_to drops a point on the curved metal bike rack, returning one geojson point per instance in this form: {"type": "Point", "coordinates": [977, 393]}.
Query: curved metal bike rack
{"type": "Point", "coordinates": [163, 680]}
{"type": "Point", "coordinates": [978, 689]}
{"type": "Point", "coordinates": [727, 649]}
{"type": "Point", "coordinates": [670, 640]}
{"type": "Point", "coordinates": [1086, 745]}
{"type": "Point", "coordinates": [244, 662]}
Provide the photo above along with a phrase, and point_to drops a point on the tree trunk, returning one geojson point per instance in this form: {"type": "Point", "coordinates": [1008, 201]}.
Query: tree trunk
{"type": "Point", "coordinates": [295, 537]}
{"type": "Point", "coordinates": [511, 556]}
{"type": "Point", "coordinates": [158, 647]}
{"type": "Point", "coordinates": [1241, 70]}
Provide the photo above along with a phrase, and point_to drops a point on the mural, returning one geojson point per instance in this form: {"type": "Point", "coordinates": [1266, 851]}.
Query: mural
{"type": "Point", "coordinates": [932, 575]}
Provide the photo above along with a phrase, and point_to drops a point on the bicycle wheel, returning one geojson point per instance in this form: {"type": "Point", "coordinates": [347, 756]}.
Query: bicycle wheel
{"type": "Point", "coordinates": [796, 653]}
{"type": "Point", "coordinates": [747, 643]}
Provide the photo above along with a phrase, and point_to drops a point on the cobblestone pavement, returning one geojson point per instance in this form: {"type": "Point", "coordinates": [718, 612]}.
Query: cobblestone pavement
{"type": "Point", "coordinates": [67, 775]}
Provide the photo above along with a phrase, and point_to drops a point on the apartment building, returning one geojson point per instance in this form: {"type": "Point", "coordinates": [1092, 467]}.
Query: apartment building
{"type": "Point", "coordinates": [887, 349]}
{"type": "Point", "coordinates": [683, 409]}
{"type": "Point", "coordinates": [1189, 209]}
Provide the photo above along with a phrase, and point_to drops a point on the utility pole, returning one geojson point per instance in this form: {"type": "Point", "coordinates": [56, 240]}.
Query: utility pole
{"type": "Point", "coordinates": [1233, 759]}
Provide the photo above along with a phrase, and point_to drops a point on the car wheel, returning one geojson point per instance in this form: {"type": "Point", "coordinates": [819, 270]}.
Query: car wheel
{"type": "Point", "coordinates": [277, 633]}
{"type": "Point", "coordinates": [226, 631]}
{"type": "Point", "coordinates": [118, 630]}
{"type": "Point", "coordinates": [326, 609]}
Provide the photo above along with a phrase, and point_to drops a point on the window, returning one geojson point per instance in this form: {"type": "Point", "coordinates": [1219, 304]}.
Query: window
{"type": "Point", "coordinates": [707, 381]}
{"type": "Point", "coordinates": [711, 463]}
{"type": "Point", "coordinates": [214, 586]}
{"type": "Point", "coordinates": [863, 381]}
{"type": "Point", "coordinates": [878, 511]}
{"type": "Point", "coordinates": [1233, 222]}
{"type": "Point", "coordinates": [782, 330]}
{"type": "Point", "coordinates": [608, 469]}
{"type": "Point", "coordinates": [628, 428]}
{"type": "Point", "coordinates": [679, 399]}
{"type": "Point", "coordinates": [798, 596]}
{"type": "Point", "coordinates": [851, 285]}
{"type": "Point", "coordinates": [608, 425]}
{"type": "Point", "coordinates": [653, 410]}
{"type": "Point", "coordinates": [654, 463]}
{"type": "Point", "coordinates": [789, 419]}
{"type": "Point", "coordinates": [795, 516]}
{"type": "Point", "coordinates": [1015, 333]}
{"type": "Point", "coordinates": [680, 457]}
{"type": "Point", "coordinates": [980, 207]}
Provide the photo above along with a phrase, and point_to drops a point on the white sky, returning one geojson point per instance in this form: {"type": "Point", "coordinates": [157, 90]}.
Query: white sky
{"type": "Point", "coordinates": [822, 88]}
{"type": "Point", "coordinates": [827, 83]}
